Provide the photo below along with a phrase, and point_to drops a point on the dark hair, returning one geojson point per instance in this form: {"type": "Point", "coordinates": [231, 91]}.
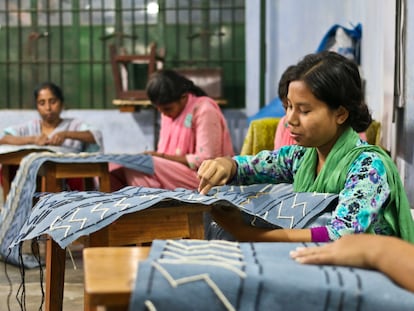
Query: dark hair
{"type": "Point", "coordinates": [284, 81]}
{"type": "Point", "coordinates": [335, 80]}
{"type": "Point", "coordinates": [56, 90]}
{"type": "Point", "coordinates": [166, 86]}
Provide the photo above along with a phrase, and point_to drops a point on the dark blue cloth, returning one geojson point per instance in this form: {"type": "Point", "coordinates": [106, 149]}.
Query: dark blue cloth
{"type": "Point", "coordinates": [66, 216]}
{"type": "Point", "coordinates": [19, 201]}
{"type": "Point", "coordinates": [274, 109]}
{"type": "Point", "coordinates": [220, 275]}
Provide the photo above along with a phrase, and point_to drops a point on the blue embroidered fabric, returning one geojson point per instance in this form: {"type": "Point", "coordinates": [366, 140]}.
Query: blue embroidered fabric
{"type": "Point", "coordinates": [18, 204]}
{"type": "Point", "coordinates": [66, 216]}
{"type": "Point", "coordinates": [222, 275]}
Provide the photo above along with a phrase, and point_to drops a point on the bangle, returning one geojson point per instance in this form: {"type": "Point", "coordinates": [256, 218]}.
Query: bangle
{"type": "Point", "coordinates": [162, 155]}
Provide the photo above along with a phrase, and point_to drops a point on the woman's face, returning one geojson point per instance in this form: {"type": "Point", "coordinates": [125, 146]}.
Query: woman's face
{"type": "Point", "coordinates": [173, 109]}
{"type": "Point", "coordinates": [48, 106]}
{"type": "Point", "coordinates": [311, 122]}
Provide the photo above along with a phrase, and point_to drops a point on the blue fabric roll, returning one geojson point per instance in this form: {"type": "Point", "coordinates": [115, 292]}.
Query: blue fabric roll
{"type": "Point", "coordinates": [220, 275]}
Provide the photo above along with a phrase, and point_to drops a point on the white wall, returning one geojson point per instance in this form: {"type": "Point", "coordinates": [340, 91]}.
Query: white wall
{"type": "Point", "coordinates": [125, 132]}
{"type": "Point", "coordinates": [252, 47]}
{"type": "Point", "coordinates": [122, 132]}
{"type": "Point", "coordinates": [296, 27]}
{"type": "Point", "coordinates": [405, 154]}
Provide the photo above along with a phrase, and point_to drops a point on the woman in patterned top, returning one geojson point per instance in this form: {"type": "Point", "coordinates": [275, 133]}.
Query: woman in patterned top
{"type": "Point", "coordinates": [325, 111]}
{"type": "Point", "coordinates": [193, 129]}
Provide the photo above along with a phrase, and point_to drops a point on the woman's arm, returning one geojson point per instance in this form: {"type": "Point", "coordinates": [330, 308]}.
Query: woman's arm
{"type": "Point", "coordinates": [230, 219]}
{"type": "Point", "coordinates": [208, 125]}
{"type": "Point", "coordinates": [365, 192]}
{"type": "Point", "coordinates": [84, 136]}
{"type": "Point", "coordinates": [40, 140]}
{"type": "Point", "coordinates": [175, 158]}
{"type": "Point", "coordinates": [390, 255]}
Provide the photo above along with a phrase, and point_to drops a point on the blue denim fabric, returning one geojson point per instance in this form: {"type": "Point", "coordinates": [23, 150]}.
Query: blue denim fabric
{"type": "Point", "coordinates": [19, 202]}
{"type": "Point", "coordinates": [258, 276]}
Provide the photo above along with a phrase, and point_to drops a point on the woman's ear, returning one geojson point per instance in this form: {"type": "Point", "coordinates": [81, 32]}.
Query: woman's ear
{"type": "Point", "coordinates": [184, 98]}
{"type": "Point", "coordinates": [342, 115]}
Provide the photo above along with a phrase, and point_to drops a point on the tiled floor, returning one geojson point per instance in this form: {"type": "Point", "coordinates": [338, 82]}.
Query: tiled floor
{"type": "Point", "coordinates": [73, 290]}
{"type": "Point", "coordinates": [10, 281]}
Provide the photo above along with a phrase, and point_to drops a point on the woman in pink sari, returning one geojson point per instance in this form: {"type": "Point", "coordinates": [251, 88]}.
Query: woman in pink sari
{"type": "Point", "coordinates": [193, 129]}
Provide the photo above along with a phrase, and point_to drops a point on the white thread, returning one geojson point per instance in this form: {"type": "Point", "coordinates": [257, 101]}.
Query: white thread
{"type": "Point", "coordinates": [294, 205]}
{"type": "Point", "coordinates": [123, 206]}
{"type": "Point", "coordinates": [201, 277]}
{"type": "Point", "coordinates": [190, 261]}
{"type": "Point", "coordinates": [97, 208]}
{"type": "Point", "coordinates": [197, 245]}
{"type": "Point", "coordinates": [205, 255]}
{"type": "Point", "coordinates": [52, 226]}
{"type": "Point", "coordinates": [83, 220]}
{"type": "Point", "coordinates": [230, 252]}
{"type": "Point", "coordinates": [150, 305]}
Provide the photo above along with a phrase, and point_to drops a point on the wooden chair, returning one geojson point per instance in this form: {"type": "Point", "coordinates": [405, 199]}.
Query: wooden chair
{"type": "Point", "coordinates": [373, 133]}
{"type": "Point", "coordinates": [208, 79]}
{"type": "Point", "coordinates": [260, 136]}
{"type": "Point", "coordinates": [123, 75]}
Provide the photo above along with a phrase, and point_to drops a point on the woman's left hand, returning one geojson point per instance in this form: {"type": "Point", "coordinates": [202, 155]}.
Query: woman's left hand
{"type": "Point", "coordinates": [57, 139]}
{"type": "Point", "coordinates": [154, 154]}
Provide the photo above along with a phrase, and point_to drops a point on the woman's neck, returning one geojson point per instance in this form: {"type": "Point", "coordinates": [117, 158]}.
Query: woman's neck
{"type": "Point", "coordinates": [48, 127]}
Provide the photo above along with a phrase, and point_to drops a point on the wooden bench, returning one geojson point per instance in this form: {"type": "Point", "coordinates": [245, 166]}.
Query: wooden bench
{"type": "Point", "coordinates": [164, 222]}
{"type": "Point", "coordinates": [109, 276]}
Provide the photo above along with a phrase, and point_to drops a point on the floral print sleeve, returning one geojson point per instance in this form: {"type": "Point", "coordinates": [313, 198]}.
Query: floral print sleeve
{"type": "Point", "coordinates": [269, 166]}
{"type": "Point", "coordinates": [359, 205]}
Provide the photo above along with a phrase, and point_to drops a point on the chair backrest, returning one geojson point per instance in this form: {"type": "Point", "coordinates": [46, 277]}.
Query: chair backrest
{"type": "Point", "coordinates": [209, 79]}
{"type": "Point", "coordinates": [260, 136]}
{"type": "Point", "coordinates": [122, 74]}
{"type": "Point", "coordinates": [373, 133]}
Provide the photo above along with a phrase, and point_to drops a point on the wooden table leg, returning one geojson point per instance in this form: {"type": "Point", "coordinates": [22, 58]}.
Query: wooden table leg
{"type": "Point", "coordinates": [104, 180]}
{"type": "Point", "coordinates": [5, 176]}
{"type": "Point", "coordinates": [87, 305]}
{"type": "Point", "coordinates": [49, 181]}
{"type": "Point", "coordinates": [196, 225]}
{"type": "Point", "coordinates": [55, 274]}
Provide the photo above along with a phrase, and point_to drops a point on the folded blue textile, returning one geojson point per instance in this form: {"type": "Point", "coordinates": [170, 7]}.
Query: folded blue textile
{"type": "Point", "coordinates": [18, 204]}
{"type": "Point", "coordinates": [66, 216]}
{"type": "Point", "coordinates": [222, 275]}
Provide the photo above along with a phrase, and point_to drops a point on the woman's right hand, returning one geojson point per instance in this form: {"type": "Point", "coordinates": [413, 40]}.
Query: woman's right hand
{"type": "Point", "coordinates": [215, 172]}
{"type": "Point", "coordinates": [41, 140]}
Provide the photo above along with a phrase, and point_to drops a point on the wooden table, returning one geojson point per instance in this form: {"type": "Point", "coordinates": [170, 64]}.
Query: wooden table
{"type": "Point", "coordinates": [11, 160]}
{"type": "Point", "coordinates": [163, 222]}
{"type": "Point", "coordinates": [109, 276]}
{"type": "Point", "coordinates": [51, 174]}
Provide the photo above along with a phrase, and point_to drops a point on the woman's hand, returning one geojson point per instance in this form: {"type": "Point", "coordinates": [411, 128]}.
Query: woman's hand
{"type": "Point", "coordinates": [390, 255]}
{"type": "Point", "coordinates": [154, 154]}
{"type": "Point", "coordinates": [215, 172]}
{"type": "Point", "coordinates": [349, 250]}
{"type": "Point", "coordinates": [41, 140]}
{"type": "Point", "coordinates": [57, 139]}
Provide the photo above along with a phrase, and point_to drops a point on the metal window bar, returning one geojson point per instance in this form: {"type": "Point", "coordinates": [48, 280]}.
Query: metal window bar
{"type": "Point", "coordinates": [67, 42]}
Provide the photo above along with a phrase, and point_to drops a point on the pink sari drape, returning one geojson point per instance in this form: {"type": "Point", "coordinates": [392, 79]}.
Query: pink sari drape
{"type": "Point", "coordinates": [200, 132]}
